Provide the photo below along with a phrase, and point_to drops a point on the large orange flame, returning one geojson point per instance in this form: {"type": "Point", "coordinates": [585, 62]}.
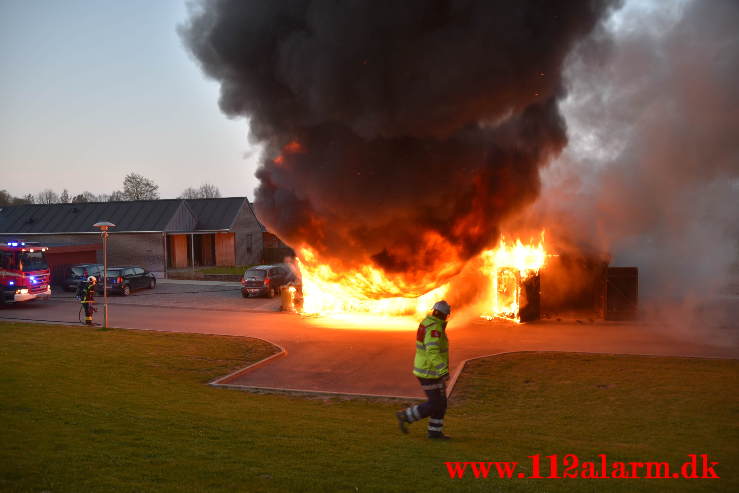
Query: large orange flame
{"type": "Point", "coordinates": [369, 294]}
{"type": "Point", "coordinates": [328, 292]}
{"type": "Point", "coordinates": [507, 266]}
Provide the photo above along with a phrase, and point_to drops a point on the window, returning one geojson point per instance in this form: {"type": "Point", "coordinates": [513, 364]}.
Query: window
{"type": "Point", "coordinates": [248, 242]}
{"type": "Point", "coordinates": [138, 271]}
{"type": "Point", "coordinates": [30, 261]}
{"type": "Point", "coordinates": [255, 274]}
{"type": "Point", "coordinates": [6, 260]}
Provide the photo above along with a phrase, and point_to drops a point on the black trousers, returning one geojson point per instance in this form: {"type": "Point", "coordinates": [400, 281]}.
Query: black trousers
{"type": "Point", "coordinates": [88, 311]}
{"type": "Point", "coordinates": [434, 408]}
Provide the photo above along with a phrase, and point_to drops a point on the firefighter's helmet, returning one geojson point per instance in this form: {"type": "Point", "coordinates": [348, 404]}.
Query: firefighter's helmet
{"type": "Point", "coordinates": [92, 280]}
{"type": "Point", "coordinates": [442, 307]}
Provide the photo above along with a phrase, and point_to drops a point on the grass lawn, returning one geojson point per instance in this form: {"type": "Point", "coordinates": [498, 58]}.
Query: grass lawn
{"type": "Point", "coordinates": [237, 270]}
{"type": "Point", "coordinates": [91, 410]}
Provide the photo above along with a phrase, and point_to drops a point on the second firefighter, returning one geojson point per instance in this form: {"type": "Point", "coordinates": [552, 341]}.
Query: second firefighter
{"type": "Point", "coordinates": [86, 295]}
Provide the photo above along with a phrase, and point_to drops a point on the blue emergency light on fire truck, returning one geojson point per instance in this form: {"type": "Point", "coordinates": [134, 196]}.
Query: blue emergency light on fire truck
{"type": "Point", "coordinates": [24, 272]}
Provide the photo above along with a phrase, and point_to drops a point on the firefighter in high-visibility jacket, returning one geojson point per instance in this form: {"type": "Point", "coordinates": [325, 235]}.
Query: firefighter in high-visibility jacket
{"type": "Point", "coordinates": [431, 367]}
{"type": "Point", "coordinates": [86, 294]}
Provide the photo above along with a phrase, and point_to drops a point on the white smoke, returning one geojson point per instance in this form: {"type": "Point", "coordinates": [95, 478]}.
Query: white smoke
{"type": "Point", "coordinates": [651, 171]}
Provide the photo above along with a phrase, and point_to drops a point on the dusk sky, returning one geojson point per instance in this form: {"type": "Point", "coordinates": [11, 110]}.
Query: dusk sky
{"type": "Point", "coordinates": [90, 91]}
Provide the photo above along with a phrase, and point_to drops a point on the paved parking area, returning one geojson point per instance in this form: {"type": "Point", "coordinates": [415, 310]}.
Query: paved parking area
{"type": "Point", "coordinates": [211, 295]}
{"type": "Point", "coordinates": [330, 357]}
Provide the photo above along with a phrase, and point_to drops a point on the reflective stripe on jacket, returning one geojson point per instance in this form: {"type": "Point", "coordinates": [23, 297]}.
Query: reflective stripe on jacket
{"type": "Point", "coordinates": [432, 349]}
{"type": "Point", "coordinates": [88, 293]}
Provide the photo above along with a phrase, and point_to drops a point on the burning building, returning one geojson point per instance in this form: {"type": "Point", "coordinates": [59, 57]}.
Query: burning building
{"type": "Point", "coordinates": [398, 136]}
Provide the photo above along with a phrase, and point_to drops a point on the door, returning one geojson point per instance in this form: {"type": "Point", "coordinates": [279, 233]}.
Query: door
{"type": "Point", "coordinates": [622, 293]}
{"type": "Point", "coordinates": [138, 274]}
{"type": "Point", "coordinates": [129, 278]}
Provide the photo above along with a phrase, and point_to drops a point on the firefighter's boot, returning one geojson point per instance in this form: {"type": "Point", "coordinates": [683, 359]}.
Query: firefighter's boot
{"type": "Point", "coordinates": [438, 435]}
{"type": "Point", "coordinates": [435, 429]}
{"type": "Point", "coordinates": [402, 421]}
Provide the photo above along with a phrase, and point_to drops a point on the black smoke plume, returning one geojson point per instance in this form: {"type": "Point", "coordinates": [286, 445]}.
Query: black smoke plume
{"type": "Point", "coordinates": [397, 133]}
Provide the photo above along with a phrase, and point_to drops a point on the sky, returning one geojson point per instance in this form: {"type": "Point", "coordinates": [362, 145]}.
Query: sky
{"type": "Point", "coordinates": [92, 90]}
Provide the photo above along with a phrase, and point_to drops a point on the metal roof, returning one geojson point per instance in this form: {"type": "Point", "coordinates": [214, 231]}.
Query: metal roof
{"type": "Point", "coordinates": [262, 227]}
{"type": "Point", "coordinates": [215, 214]}
{"type": "Point", "coordinates": [133, 216]}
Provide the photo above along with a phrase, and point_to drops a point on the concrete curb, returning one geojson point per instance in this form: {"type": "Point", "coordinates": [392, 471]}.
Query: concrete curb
{"type": "Point", "coordinates": [199, 282]}
{"type": "Point", "coordinates": [223, 381]}
{"type": "Point", "coordinates": [315, 393]}
{"type": "Point", "coordinates": [460, 367]}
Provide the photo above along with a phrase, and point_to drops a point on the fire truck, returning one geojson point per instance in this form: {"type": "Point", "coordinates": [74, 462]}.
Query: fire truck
{"type": "Point", "coordinates": [24, 272]}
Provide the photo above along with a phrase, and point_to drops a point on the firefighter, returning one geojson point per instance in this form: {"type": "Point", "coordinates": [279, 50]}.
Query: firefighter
{"type": "Point", "coordinates": [431, 367]}
{"type": "Point", "coordinates": [86, 295]}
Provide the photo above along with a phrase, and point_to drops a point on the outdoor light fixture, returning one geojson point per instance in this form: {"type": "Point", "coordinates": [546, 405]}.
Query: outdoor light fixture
{"type": "Point", "coordinates": [104, 226]}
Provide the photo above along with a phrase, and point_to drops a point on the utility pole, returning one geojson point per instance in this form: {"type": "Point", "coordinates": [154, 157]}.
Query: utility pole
{"type": "Point", "coordinates": [104, 225]}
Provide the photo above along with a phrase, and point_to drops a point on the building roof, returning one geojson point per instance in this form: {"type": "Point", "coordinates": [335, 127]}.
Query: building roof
{"type": "Point", "coordinates": [215, 214]}
{"type": "Point", "coordinates": [261, 226]}
{"type": "Point", "coordinates": [170, 215]}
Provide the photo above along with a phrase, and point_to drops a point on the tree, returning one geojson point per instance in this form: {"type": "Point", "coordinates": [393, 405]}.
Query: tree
{"type": "Point", "coordinates": [5, 198]}
{"type": "Point", "coordinates": [206, 191]}
{"type": "Point", "coordinates": [137, 187]}
{"type": "Point", "coordinates": [190, 193]}
{"type": "Point", "coordinates": [47, 196]}
{"type": "Point", "coordinates": [85, 197]}
{"type": "Point", "coordinates": [116, 196]}
{"type": "Point", "coordinates": [64, 198]}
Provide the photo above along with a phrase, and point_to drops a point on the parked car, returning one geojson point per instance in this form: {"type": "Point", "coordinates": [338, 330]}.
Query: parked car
{"type": "Point", "coordinates": [263, 280]}
{"type": "Point", "coordinates": [80, 272]}
{"type": "Point", "coordinates": [123, 280]}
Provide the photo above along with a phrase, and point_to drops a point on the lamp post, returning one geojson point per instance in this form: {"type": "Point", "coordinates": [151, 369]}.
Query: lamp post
{"type": "Point", "coordinates": [104, 225]}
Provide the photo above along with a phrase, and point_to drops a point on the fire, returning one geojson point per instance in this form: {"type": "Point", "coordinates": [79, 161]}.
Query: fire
{"type": "Point", "coordinates": [293, 147]}
{"type": "Point", "coordinates": [509, 266]}
{"type": "Point", "coordinates": [360, 291]}
{"type": "Point", "coordinates": [367, 296]}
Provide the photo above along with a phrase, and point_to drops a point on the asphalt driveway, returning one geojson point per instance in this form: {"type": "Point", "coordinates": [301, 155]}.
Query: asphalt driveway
{"type": "Point", "coordinates": [335, 358]}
